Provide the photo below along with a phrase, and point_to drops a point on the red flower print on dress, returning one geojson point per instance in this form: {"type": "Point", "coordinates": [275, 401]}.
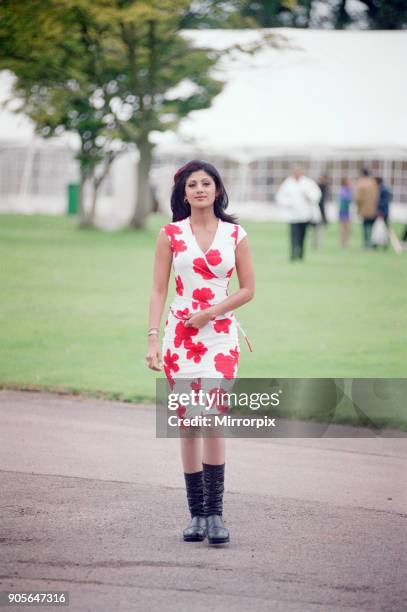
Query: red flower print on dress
{"type": "Point", "coordinates": [171, 230]}
{"type": "Point", "coordinates": [169, 377]}
{"type": "Point", "coordinates": [181, 410]}
{"type": "Point", "coordinates": [183, 314]}
{"type": "Point", "coordinates": [179, 287]}
{"type": "Point", "coordinates": [195, 351]}
{"type": "Point", "coordinates": [235, 234]}
{"type": "Point", "coordinates": [229, 272]}
{"type": "Point", "coordinates": [213, 257]}
{"type": "Point", "coordinates": [196, 385]}
{"type": "Point", "coordinates": [221, 326]}
{"type": "Point", "coordinates": [202, 296]}
{"type": "Point", "coordinates": [178, 246]}
{"type": "Point", "coordinates": [200, 267]}
{"type": "Point", "coordinates": [169, 361]}
{"type": "Point", "coordinates": [226, 364]}
{"type": "Point", "coordinates": [183, 334]}
{"type": "Point", "coordinates": [221, 401]}
{"type": "Point", "coordinates": [235, 353]}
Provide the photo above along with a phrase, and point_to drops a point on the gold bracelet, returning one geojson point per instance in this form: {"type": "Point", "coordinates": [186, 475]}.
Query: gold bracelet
{"type": "Point", "coordinates": [153, 332]}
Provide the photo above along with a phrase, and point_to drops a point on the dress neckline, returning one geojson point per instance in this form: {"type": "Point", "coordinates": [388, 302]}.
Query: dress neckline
{"type": "Point", "coordinates": [204, 253]}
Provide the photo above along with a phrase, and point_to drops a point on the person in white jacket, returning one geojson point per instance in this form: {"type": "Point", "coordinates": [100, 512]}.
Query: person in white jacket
{"type": "Point", "coordinates": [299, 196]}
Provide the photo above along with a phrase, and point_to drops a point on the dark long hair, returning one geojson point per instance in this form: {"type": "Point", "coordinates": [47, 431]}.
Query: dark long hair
{"type": "Point", "coordinates": [181, 209]}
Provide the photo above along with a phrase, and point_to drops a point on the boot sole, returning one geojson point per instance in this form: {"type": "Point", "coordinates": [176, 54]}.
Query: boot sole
{"type": "Point", "coordinates": [194, 538]}
{"type": "Point", "coordinates": [218, 541]}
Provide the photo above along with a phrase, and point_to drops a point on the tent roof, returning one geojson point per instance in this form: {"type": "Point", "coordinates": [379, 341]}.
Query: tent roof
{"type": "Point", "coordinates": [326, 91]}
{"type": "Point", "coordinates": [322, 92]}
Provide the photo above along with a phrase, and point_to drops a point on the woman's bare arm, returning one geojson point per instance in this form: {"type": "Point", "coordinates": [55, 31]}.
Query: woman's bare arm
{"type": "Point", "coordinates": [161, 276]}
{"type": "Point", "coordinates": [159, 292]}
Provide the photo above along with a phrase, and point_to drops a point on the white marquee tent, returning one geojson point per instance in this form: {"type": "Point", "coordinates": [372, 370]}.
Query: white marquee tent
{"type": "Point", "coordinates": [332, 100]}
{"type": "Point", "coordinates": [320, 91]}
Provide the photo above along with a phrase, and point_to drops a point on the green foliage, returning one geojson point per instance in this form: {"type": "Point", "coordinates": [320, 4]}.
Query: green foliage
{"type": "Point", "coordinates": [60, 58]}
{"type": "Point", "coordinates": [378, 14]}
{"type": "Point", "coordinates": [103, 68]}
{"type": "Point", "coordinates": [106, 71]}
{"type": "Point", "coordinates": [248, 14]}
{"type": "Point", "coordinates": [386, 15]}
{"type": "Point", "coordinates": [272, 13]}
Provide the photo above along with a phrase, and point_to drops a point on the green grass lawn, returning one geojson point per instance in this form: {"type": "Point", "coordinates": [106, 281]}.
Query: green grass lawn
{"type": "Point", "coordinates": [74, 307]}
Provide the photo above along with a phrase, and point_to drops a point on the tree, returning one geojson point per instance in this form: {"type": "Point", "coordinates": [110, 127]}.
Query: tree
{"type": "Point", "coordinates": [58, 80]}
{"type": "Point", "coordinates": [338, 14]}
{"type": "Point", "coordinates": [155, 59]}
{"type": "Point", "coordinates": [341, 16]}
{"type": "Point", "coordinates": [248, 14]}
{"type": "Point", "coordinates": [374, 14]}
{"type": "Point", "coordinates": [386, 15]}
{"type": "Point", "coordinates": [274, 13]}
{"type": "Point", "coordinates": [164, 77]}
{"type": "Point", "coordinates": [105, 69]}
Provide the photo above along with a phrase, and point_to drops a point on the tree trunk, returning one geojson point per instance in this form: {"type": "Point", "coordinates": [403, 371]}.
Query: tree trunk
{"type": "Point", "coordinates": [85, 217]}
{"type": "Point", "coordinates": [342, 18]}
{"type": "Point", "coordinates": [143, 197]}
{"type": "Point", "coordinates": [92, 212]}
{"type": "Point", "coordinates": [82, 216]}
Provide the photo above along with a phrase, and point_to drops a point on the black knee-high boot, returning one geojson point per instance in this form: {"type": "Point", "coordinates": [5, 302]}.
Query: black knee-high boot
{"type": "Point", "coordinates": [196, 530]}
{"type": "Point", "coordinates": [214, 477]}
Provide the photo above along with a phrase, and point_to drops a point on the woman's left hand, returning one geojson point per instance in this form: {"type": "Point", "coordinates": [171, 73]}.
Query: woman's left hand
{"type": "Point", "coordinates": [199, 319]}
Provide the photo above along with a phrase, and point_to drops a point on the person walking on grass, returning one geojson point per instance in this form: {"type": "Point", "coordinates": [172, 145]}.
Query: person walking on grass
{"type": "Point", "coordinates": [344, 200]}
{"type": "Point", "coordinates": [385, 197]}
{"type": "Point", "coordinates": [203, 244]}
{"type": "Point", "coordinates": [299, 196]}
{"type": "Point", "coordinates": [318, 227]}
{"type": "Point", "coordinates": [323, 184]}
{"type": "Point", "coordinates": [367, 199]}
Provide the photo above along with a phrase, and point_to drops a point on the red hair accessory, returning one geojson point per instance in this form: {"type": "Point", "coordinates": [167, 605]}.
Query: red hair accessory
{"type": "Point", "coordinates": [191, 165]}
{"type": "Point", "coordinates": [178, 172]}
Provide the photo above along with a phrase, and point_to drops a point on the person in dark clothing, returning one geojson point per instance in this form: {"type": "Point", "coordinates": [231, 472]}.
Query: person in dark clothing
{"type": "Point", "coordinates": [317, 225]}
{"type": "Point", "coordinates": [385, 197]}
{"type": "Point", "coordinates": [323, 184]}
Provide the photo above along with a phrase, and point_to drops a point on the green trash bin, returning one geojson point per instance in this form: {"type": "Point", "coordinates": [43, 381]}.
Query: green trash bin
{"type": "Point", "coordinates": [73, 198]}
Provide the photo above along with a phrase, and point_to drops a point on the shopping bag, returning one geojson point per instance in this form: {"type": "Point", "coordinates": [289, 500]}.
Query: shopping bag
{"type": "Point", "coordinates": [380, 234]}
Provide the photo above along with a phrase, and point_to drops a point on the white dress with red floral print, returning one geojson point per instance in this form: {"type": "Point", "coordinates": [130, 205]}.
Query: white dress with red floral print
{"type": "Point", "coordinates": [201, 280]}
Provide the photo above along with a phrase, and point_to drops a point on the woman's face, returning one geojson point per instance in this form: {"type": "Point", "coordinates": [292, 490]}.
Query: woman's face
{"type": "Point", "coordinates": [200, 189]}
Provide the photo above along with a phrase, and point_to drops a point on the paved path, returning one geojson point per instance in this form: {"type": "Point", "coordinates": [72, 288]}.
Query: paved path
{"type": "Point", "coordinates": [93, 503]}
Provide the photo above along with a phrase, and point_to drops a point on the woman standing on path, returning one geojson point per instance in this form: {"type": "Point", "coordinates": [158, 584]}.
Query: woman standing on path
{"type": "Point", "coordinates": [203, 244]}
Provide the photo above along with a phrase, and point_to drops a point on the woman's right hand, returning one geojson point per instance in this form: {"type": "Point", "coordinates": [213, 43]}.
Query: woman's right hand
{"type": "Point", "coordinates": [153, 356]}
